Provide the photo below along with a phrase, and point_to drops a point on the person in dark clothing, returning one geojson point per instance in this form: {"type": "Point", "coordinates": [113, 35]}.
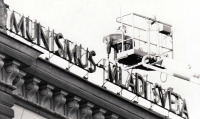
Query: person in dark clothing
{"type": "Point", "coordinates": [115, 41]}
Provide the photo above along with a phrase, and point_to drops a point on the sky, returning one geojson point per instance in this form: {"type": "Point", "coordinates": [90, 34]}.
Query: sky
{"type": "Point", "coordinates": [87, 21]}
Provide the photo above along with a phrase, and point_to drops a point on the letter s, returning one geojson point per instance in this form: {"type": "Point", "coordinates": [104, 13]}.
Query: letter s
{"type": "Point", "coordinates": [92, 53]}
{"type": "Point", "coordinates": [59, 52]}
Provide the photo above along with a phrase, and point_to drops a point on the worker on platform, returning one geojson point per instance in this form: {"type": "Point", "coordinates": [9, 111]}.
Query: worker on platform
{"type": "Point", "coordinates": [115, 41]}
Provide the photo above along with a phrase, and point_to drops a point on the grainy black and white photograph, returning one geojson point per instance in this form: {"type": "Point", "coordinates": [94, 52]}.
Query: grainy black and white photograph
{"type": "Point", "coordinates": [99, 59]}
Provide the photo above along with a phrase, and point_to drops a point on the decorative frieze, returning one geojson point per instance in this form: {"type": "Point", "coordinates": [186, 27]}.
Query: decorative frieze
{"type": "Point", "coordinates": [99, 114]}
{"type": "Point", "coordinates": [12, 71]}
{"type": "Point", "coordinates": [45, 94]}
{"type": "Point", "coordinates": [59, 100]}
{"type": "Point", "coordinates": [6, 99]}
{"type": "Point", "coordinates": [86, 110]}
{"type": "Point", "coordinates": [72, 106]}
{"type": "Point", "coordinates": [31, 87]}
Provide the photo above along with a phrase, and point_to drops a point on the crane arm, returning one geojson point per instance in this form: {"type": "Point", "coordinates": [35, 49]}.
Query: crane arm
{"type": "Point", "coordinates": [183, 74]}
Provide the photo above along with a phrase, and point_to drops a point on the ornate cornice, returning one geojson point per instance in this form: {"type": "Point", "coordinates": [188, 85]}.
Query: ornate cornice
{"type": "Point", "coordinates": [72, 106]}
{"type": "Point", "coordinates": [45, 94]}
{"type": "Point", "coordinates": [31, 87]}
{"type": "Point", "coordinates": [12, 71]}
{"type": "Point", "coordinates": [99, 114]}
{"type": "Point", "coordinates": [18, 81]}
{"type": "Point", "coordinates": [59, 100]}
{"type": "Point", "coordinates": [86, 110]}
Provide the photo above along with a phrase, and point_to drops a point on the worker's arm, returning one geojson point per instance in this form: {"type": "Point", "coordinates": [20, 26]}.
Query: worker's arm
{"type": "Point", "coordinates": [108, 41]}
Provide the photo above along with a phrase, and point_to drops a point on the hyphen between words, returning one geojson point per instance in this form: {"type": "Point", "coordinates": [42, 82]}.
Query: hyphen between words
{"type": "Point", "coordinates": [35, 33]}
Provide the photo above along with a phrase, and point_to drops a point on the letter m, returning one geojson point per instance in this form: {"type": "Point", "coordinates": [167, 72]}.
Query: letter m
{"type": "Point", "coordinates": [18, 26]}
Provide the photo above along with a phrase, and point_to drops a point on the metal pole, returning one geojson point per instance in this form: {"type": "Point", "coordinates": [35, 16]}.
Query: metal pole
{"type": "Point", "coordinates": [152, 44]}
{"type": "Point", "coordinates": [157, 38]}
{"type": "Point", "coordinates": [172, 43]}
{"type": "Point", "coordinates": [104, 66]}
{"type": "Point", "coordinates": [161, 43]}
{"type": "Point", "coordinates": [122, 29]}
{"type": "Point", "coordinates": [145, 18]}
{"type": "Point", "coordinates": [131, 26]}
{"type": "Point", "coordinates": [133, 33]}
{"type": "Point", "coordinates": [139, 38]}
{"type": "Point", "coordinates": [148, 36]}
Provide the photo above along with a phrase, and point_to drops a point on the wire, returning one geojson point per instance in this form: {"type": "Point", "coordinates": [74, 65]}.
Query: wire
{"type": "Point", "coordinates": [22, 113]}
{"type": "Point", "coordinates": [139, 41]}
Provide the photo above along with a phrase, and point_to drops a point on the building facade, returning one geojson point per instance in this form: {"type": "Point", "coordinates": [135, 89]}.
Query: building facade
{"type": "Point", "coordinates": [33, 83]}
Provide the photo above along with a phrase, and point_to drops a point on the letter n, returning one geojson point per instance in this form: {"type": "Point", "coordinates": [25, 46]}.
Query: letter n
{"type": "Point", "coordinates": [41, 35]}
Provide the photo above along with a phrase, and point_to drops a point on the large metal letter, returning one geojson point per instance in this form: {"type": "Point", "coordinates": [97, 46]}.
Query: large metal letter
{"type": "Point", "coordinates": [139, 77]}
{"type": "Point", "coordinates": [80, 56]}
{"type": "Point", "coordinates": [131, 84]}
{"type": "Point", "coordinates": [18, 26]}
{"type": "Point", "coordinates": [41, 34]}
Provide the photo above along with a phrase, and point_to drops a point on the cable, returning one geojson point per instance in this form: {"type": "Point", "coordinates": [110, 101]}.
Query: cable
{"type": "Point", "coordinates": [139, 41]}
{"type": "Point", "coordinates": [22, 113]}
